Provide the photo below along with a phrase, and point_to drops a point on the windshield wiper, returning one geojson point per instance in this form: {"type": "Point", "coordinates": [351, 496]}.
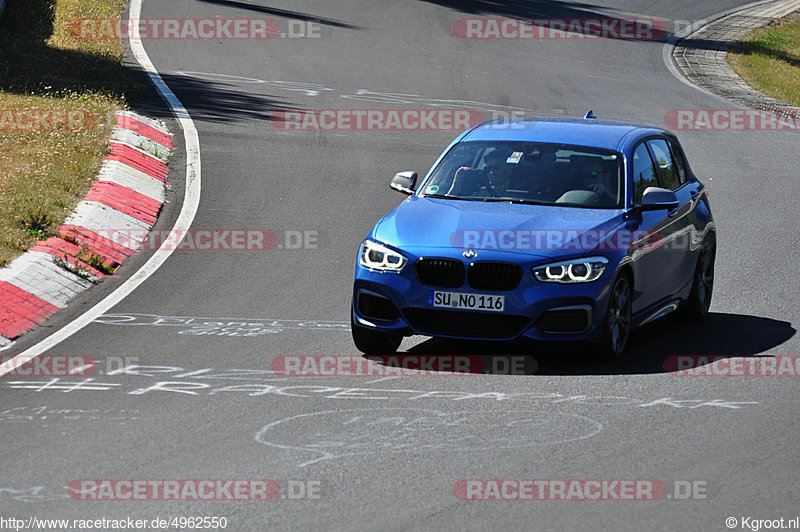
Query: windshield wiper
{"type": "Point", "coordinates": [532, 202]}
{"type": "Point", "coordinates": [517, 200]}
{"type": "Point", "coordinates": [446, 196]}
{"type": "Point", "coordinates": [497, 200]}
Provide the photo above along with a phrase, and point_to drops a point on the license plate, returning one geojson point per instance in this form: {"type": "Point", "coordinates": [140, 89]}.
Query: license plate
{"type": "Point", "coordinates": [459, 300]}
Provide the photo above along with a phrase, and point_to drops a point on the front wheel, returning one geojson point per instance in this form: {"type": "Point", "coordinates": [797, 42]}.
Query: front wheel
{"type": "Point", "coordinates": [373, 342]}
{"type": "Point", "coordinates": [617, 326]}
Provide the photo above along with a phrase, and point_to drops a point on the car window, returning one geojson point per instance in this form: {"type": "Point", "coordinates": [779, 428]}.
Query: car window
{"type": "Point", "coordinates": [680, 165]}
{"type": "Point", "coordinates": [668, 174]}
{"type": "Point", "coordinates": [644, 173]}
{"type": "Point", "coordinates": [529, 172]}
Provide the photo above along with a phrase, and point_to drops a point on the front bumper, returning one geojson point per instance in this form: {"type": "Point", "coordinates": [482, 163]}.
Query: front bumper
{"type": "Point", "coordinates": [398, 303]}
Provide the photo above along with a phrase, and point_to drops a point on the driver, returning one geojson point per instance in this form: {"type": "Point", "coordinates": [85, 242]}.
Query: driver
{"type": "Point", "coordinates": [596, 179]}
{"type": "Point", "coordinates": [495, 174]}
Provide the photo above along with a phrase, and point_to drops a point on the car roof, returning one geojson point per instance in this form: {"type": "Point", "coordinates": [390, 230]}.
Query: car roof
{"type": "Point", "coordinates": [576, 131]}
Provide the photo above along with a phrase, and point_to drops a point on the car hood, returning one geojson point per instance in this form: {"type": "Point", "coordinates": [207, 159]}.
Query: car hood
{"type": "Point", "coordinates": [422, 224]}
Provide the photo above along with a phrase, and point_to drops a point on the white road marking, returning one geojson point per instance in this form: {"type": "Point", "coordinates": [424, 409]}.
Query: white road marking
{"type": "Point", "coordinates": [191, 203]}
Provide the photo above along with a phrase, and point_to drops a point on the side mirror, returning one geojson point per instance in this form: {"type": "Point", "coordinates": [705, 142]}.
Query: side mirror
{"type": "Point", "coordinates": [404, 182]}
{"type": "Point", "coordinates": [656, 199]}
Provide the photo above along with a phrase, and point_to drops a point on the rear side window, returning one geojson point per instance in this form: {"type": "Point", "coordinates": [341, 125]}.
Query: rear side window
{"type": "Point", "coordinates": [644, 173]}
{"type": "Point", "coordinates": [669, 177]}
{"type": "Point", "coordinates": [677, 156]}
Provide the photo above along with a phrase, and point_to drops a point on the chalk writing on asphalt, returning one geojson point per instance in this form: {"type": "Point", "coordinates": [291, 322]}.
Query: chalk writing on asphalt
{"type": "Point", "coordinates": [55, 414]}
{"type": "Point", "coordinates": [198, 326]}
{"type": "Point", "coordinates": [264, 383]}
{"type": "Point", "coordinates": [339, 433]}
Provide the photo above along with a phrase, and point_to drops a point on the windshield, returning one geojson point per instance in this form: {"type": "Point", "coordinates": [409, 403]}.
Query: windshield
{"type": "Point", "coordinates": [529, 172]}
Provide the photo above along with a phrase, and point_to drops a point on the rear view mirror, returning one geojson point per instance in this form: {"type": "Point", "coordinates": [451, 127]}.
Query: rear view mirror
{"type": "Point", "coordinates": [656, 199]}
{"type": "Point", "coordinates": [404, 182]}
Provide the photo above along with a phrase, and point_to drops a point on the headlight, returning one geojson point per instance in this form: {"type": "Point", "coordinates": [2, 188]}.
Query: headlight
{"type": "Point", "coordinates": [378, 257]}
{"type": "Point", "coordinates": [571, 271]}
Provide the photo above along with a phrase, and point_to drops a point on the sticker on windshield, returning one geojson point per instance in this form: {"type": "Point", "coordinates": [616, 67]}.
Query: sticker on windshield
{"type": "Point", "coordinates": [433, 189]}
{"type": "Point", "coordinates": [515, 157]}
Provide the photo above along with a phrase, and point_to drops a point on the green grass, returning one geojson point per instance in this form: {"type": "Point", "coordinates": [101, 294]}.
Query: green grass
{"type": "Point", "coordinates": [769, 59]}
{"type": "Point", "coordinates": [45, 172]}
{"type": "Point", "coordinates": [96, 262]}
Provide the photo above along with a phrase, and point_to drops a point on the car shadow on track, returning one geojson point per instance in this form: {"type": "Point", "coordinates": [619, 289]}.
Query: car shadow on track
{"type": "Point", "coordinates": [208, 100]}
{"type": "Point", "coordinates": [238, 4]}
{"type": "Point", "coordinates": [544, 12]}
{"type": "Point", "coordinates": [649, 348]}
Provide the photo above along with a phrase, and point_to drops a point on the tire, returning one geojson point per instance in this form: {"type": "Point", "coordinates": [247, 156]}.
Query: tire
{"type": "Point", "coordinates": [372, 342]}
{"type": "Point", "coordinates": [617, 325]}
{"type": "Point", "coordinates": [696, 307]}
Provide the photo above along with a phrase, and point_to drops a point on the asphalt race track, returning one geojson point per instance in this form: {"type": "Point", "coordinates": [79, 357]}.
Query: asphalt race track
{"type": "Point", "coordinates": [182, 393]}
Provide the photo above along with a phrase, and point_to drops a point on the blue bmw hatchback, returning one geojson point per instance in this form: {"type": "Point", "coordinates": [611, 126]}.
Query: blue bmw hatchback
{"type": "Point", "coordinates": [551, 229]}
